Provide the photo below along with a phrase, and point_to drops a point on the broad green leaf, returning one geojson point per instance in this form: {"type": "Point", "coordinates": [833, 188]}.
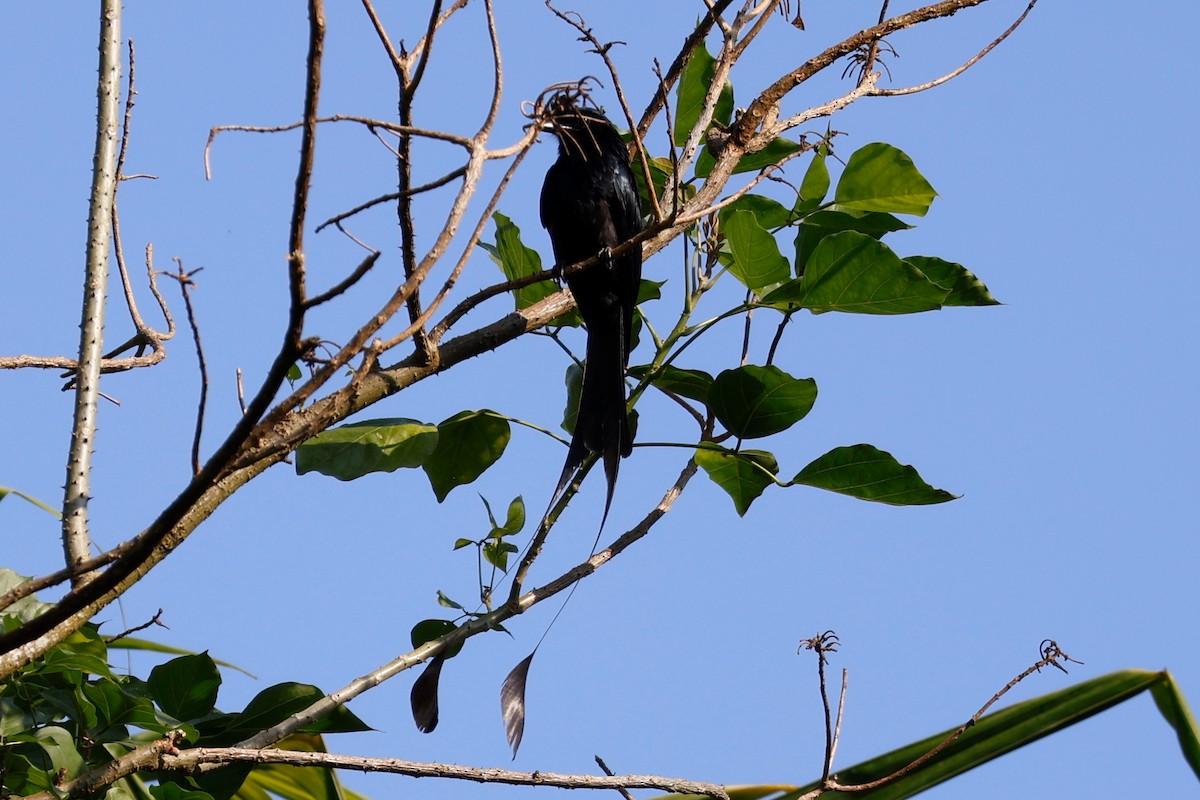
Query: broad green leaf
{"type": "Point", "coordinates": [429, 629]}
{"type": "Point", "coordinates": [24, 772]}
{"type": "Point", "coordinates": [109, 703]}
{"type": "Point", "coordinates": [755, 253]}
{"type": "Point", "coordinates": [496, 552]}
{"type": "Point", "coordinates": [360, 448]}
{"type": "Point", "coordinates": [693, 384]}
{"type": "Point", "coordinates": [815, 185]}
{"type": "Point", "coordinates": [82, 653]}
{"type": "Point", "coordinates": [851, 272]}
{"type": "Point", "coordinates": [294, 374]}
{"type": "Point", "coordinates": [6, 491]}
{"type": "Point", "coordinates": [819, 224]}
{"type": "Point", "coordinates": [769, 213]}
{"type": "Point", "coordinates": [869, 473]}
{"type": "Point", "coordinates": [517, 261]}
{"type": "Point", "coordinates": [295, 783]}
{"type": "Point", "coordinates": [965, 288]}
{"type": "Point", "coordinates": [880, 177]}
{"type": "Point", "coordinates": [467, 444]}
{"type": "Point", "coordinates": [24, 609]}
{"type": "Point", "coordinates": [754, 401]}
{"type": "Point", "coordinates": [743, 474]}
{"type": "Point", "coordinates": [778, 149]}
{"type": "Point", "coordinates": [59, 745]}
{"type": "Point", "coordinates": [186, 687]}
{"type": "Point", "coordinates": [514, 519]}
{"type": "Point", "coordinates": [276, 703]}
{"type": "Point", "coordinates": [697, 77]}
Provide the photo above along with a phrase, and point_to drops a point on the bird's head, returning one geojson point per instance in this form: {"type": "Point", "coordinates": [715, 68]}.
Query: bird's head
{"type": "Point", "coordinates": [582, 130]}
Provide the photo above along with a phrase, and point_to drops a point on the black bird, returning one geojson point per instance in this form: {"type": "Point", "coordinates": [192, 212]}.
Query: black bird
{"type": "Point", "coordinates": [589, 206]}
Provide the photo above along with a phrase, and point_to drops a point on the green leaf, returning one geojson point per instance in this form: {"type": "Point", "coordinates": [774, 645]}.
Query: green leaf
{"type": "Point", "coordinates": [869, 473]}
{"type": "Point", "coordinates": [276, 703]}
{"type": "Point", "coordinates": [186, 687]}
{"type": "Point", "coordinates": [819, 224]}
{"type": "Point", "coordinates": [693, 384]}
{"type": "Point", "coordinates": [880, 177]}
{"type": "Point", "coordinates": [517, 261]}
{"type": "Point", "coordinates": [697, 77]}
{"type": "Point", "coordinates": [6, 491]}
{"type": "Point", "coordinates": [110, 705]}
{"type": "Point", "coordinates": [769, 213]}
{"type": "Point", "coordinates": [1175, 711]}
{"type": "Point", "coordinates": [59, 745]}
{"type": "Point", "coordinates": [965, 289]}
{"type": "Point", "coordinates": [82, 653]}
{"type": "Point", "coordinates": [756, 259]}
{"type": "Point", "coordinates": [496, 552]}
{"type": "Point", "coordinates": [294, 374]}
{"type": "Point", "coordinates": [815, 185]}
{"type": "Point", "coordinates": [360, 448]}
{"type": "Point", "coordinates": [295, 783]}
{"type": "Point", "coordinates": [429, 629]}
{"type": "Point", "coordinates": [743, 474]}
{"type": "Point", "coordinates": [514, 520]}
{"type": "Point", "coordinates": [851, 272]}
{"type": "Point", "coordinates": [467, 444]}
{"type": "Point", "coordinates": [445, 602]}
{"type": "Point", "coordinates": [753, 401]}
{"type": "Point", "coordinates": [24, 609]}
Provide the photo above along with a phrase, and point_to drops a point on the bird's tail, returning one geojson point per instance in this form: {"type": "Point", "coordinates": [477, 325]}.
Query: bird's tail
{"type": "Point", "coordinates": [602, 424]}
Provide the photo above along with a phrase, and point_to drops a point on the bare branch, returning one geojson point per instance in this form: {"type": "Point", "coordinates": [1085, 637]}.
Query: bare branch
{"type": "Point", "coordinates": [342, 286]}
{"type": "Point", "coordinates": [452, 138]}
{"type": "Point", "coordinates": [185, 286]}
{"type": "Point", "coordinates": [189, 759]}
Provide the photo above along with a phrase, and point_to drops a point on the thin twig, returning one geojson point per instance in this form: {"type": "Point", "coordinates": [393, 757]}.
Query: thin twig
{"type": "Point", "coordinates": [453, 138]}
{"type": "Point", "coordinates": [155, 620]}
{"type": "Point", "coordinates": [387, 198]}
{"type": "Point", "coordinates": [346, 283]}
{"type": "Point", "coordinates": [623, 790]}
{"type": "Point", "coordinates": [969, 63]}
{"type": "Point", "coordinates": [185, 288]}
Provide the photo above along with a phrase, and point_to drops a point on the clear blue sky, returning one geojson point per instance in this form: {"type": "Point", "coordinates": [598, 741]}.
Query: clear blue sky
{"type": "Point", "coordinates": [1067, 418]}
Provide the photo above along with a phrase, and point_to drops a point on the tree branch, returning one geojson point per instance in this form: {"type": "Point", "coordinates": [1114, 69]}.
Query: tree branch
{"type": "Point", "coordinates": [76, 540]}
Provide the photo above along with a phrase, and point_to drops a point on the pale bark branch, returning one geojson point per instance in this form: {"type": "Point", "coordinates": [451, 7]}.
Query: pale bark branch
{"type": "Point", "coordinates": [77, 491]}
